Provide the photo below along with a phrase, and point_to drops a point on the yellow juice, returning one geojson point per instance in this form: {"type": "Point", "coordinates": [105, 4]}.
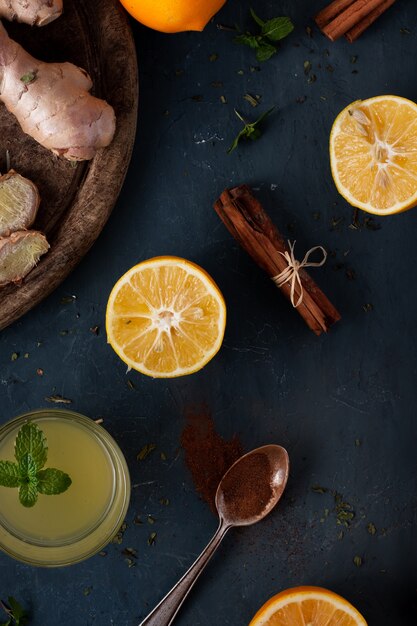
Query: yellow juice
{"type": "Point", "coordinates": [70, 526]}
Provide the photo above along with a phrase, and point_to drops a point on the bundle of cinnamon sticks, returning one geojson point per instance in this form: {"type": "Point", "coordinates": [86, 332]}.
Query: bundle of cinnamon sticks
{"type": "Point", "coordinates": [246, 219]}
{"type": "Point", "coordinates": [350, 17]}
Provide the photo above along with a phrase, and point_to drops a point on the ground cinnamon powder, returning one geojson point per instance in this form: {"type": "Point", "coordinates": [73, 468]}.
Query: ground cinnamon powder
{"type": "Point", "coordinates": [208, 456]}
{"type": "Point", "coordinates": [247, 488]}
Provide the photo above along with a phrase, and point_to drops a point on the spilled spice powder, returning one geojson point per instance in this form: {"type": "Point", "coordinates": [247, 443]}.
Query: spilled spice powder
{"type": "Point", "coordinates": [207, 455]}
{"type": "Point", "coordinates": [247, 488]}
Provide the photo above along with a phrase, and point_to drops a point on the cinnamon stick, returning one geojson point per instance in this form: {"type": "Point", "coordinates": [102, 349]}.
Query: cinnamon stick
{"type": "Point", "coordinates": [245, 218]}
{"type": "Point", "coordinates": [355, 32]}
{"type": "Point", "coordinates": [350, 17]}
{"type": "Point", "coordinates": [328, 14]}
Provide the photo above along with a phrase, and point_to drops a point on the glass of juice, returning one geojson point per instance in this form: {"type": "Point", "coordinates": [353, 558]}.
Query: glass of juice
{"type": "Point", "coordinates": [76, 524]}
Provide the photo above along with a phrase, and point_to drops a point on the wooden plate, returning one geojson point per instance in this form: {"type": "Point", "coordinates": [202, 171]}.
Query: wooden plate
{"type": "Point", "coordinates": [76, 201]}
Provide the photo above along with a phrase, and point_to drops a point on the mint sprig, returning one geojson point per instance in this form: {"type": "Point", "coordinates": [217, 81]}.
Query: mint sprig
{"type": "Point", "coordinates": [266, 41]}
{"type": "Point", "coordinates": [28, 475]}
{"type": "Point", "coordinates": [17, 616]}
{"type": "Point", "coordinates": [250, 130]}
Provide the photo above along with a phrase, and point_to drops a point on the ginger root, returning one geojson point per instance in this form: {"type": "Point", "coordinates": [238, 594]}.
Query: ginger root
{"type": "Point", "coordinates": [19, 203]}
{"type": "Point", "coordinates": [52, 103]}
{"type": "Point", "coordinates": [19, 254]}
{"type": "Point", "coordinates": [33, 12]}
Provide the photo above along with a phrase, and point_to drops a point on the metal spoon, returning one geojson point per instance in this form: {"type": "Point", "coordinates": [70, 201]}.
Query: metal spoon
{"type": "Point", "coordinates": [166, 611]}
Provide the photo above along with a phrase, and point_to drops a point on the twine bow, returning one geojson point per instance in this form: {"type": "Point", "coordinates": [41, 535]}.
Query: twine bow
{"type": "Point", "coordinates": [291, 274]}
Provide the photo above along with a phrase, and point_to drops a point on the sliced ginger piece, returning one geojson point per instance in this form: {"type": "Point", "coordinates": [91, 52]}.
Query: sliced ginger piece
{"type": "Point", "coordinates": [19, 203]}
{"type": "Point", "coordinates": [33, 12]}
{"type": "Point", "coordinates": [19, 254]}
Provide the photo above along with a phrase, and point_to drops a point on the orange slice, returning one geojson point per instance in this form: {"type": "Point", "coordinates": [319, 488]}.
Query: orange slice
{"type": "Point", "coordinates": [166, 317]}
{"type": "Point", "coordinates": [308, 606]}
{"type": "Point", "coordinates": [373, 154]}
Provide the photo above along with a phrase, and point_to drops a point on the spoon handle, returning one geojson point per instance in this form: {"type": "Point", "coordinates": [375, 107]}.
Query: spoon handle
{"type": "Point", "coordinates": [165, 612]}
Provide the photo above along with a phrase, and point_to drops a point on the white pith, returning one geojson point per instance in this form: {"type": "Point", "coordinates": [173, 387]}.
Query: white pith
{"type": "Point", "coordinates": [382, 154]}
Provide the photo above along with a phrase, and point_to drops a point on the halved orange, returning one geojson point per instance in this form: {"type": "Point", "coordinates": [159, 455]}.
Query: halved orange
{"type": "Point", "coordinates": [308, 606]}
{"type": "Point", "coordinates": [166, 317]}
{"type": "Point", "coordinates": [173, 16]}
{"type": "Point", "coordinates": [373, 154]}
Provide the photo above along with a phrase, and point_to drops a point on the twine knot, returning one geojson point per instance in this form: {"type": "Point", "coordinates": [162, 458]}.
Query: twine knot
{"type": "Point", "coordinates": [291, 274]}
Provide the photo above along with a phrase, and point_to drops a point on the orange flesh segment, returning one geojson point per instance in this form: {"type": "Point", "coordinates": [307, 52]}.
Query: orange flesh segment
{"type": "Point", "coordinates": [310, 613]}
{"type": "Point", "coordinates": [166, 317]}
{"type": "Point", "coordinates": [374, 154]}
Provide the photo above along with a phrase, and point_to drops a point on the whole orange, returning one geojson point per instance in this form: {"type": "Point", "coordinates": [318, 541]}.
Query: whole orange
{"type": "Point", "coordinates": [173, 16]}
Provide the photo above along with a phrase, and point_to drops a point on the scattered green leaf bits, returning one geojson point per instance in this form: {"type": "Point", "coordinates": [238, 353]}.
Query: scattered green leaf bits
{"type": "Point", "coordinates": [28, 475]}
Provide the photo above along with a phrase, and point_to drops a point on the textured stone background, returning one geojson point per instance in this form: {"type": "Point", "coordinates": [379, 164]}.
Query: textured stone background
{"type": "Point", "coordinates": [273, 381]}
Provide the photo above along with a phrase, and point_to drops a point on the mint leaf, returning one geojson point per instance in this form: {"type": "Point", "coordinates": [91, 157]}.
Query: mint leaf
{"type": "Point", "coordinates": [256, 18]}
{"type": "Point", "coordinates": [52, 481]}
{"type": "Point", "coordinates": [265, 52]}
{"type": "Point", "coordinates": [9, 474]}
{"type": "Point", "coordinates": [263, 116]}
{"type": "Point", "coordinates": [247, 39]}
{"type": "Point", "coordinates": [277, 28]}
{"type": "Point", "coordinates": [31, 440]}
{"type": "Point", "coordinates": [28, 494]}
{"type": "Point", "coordinates": [236, 140]}
{"type": "Point", "coordinates": [27, 469]}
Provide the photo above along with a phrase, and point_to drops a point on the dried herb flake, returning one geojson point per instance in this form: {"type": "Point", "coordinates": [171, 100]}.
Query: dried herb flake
{"type": "Point", "coordinates": [29, 77]}
{"type": "Point", "coordinates": [68, 299]}
{"type": "Point", "coordinates": [152, 539]}
{"type": "Point", "coordinates": [118, 538]}
{"type": "Point", "coordinates": [253, 101]}
{"type": "Point", "coordinates": [368, 307]}
{"type": "Point", "coordinates": [145, 451]}
{"type": "Point", "coordinates": [57, 399]}
{"type": "Point", "coordinates": [318, 489]}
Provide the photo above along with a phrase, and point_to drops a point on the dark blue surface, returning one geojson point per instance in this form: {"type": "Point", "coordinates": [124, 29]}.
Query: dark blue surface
{"type": "Point", "coordinates": [273, 380]}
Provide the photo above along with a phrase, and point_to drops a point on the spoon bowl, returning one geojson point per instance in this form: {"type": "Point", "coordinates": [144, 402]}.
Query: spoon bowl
{"type": "Point", "coordinates": [246, 494]}
{"type": "Point", "coordinates": [271, 464]}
